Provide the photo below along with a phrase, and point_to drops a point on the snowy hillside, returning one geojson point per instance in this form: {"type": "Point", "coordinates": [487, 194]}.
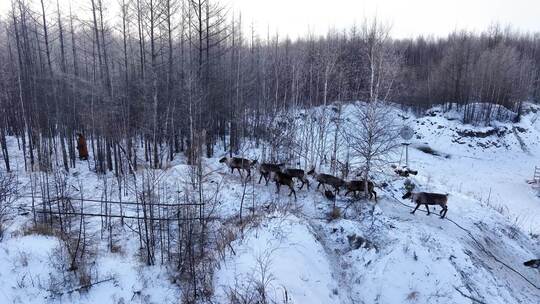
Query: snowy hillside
{"type": "Point", "coordinates": [289, 251]}
{"type": "Point", "coordinates": [489, 164]}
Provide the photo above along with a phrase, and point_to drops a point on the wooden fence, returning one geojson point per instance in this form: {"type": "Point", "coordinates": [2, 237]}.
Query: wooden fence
{"type": "Point", "coordinates": [123, 209]}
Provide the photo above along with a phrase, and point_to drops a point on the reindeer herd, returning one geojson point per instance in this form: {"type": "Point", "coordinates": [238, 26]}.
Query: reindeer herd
{"type": "Point", "coordinates": [286, 177]}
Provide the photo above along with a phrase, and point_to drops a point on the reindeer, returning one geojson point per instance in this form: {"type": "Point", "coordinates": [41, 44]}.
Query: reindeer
{"type": "Point", "coordinates": [327, 179]}
{"type": "Point", "coordinates": [266, 169]}
{"type": "Point", "coordinates": [426, 198]}
{"type": "Point", "coordinates": [359, 185]}
{"type": "Point", "coordinates": [299, 174]}
{"type": "Point", "coordinates": [284, 179]}
{"type": "Point", "coordinates": [238, 163]}
{"type": "Point", "coordinates": [533, 263]}
{"type": "Point", "coordinates": [330, 196]}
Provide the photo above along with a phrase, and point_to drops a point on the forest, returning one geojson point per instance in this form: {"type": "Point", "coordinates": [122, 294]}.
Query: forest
{"type": "Point", "coordinates": [164, 72]}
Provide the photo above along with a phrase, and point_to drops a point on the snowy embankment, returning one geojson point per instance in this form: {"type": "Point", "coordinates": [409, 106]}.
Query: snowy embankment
{"type": "Point", "coordinates": [379, 253]}
{"type": "Point", "coordinates": [396, 257]}
{"type": "Point", "coordinates": [283, 254]}
{"type": "Point", "coordinates": [490, 164]}
{"type": "Point", "coordinates": [391, 257]}
{"type": "Point", "coordinates": [29, 273]}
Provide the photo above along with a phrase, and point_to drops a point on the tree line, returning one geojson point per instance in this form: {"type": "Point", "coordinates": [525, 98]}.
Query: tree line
{"type": "Point", "coordinates": [180, 76]}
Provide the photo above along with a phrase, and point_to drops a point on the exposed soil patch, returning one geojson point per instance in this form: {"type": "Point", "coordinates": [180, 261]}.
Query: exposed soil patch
{"type": "Point", "coordinates": [482, 134]}
{"type": "Point", "coordinates": [428, 150]}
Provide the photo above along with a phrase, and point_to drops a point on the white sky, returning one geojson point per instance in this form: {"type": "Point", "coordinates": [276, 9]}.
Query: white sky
{"type": "Point", "coordinates": [407, 17]}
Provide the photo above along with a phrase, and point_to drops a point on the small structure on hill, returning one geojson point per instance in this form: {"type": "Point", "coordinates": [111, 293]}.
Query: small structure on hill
{"type": "Point", "coordinates": [536, 176]}
{"type": "Point", "coordinates": [535, 181]}
{"type": "Point", "coordinates": [406, 133]}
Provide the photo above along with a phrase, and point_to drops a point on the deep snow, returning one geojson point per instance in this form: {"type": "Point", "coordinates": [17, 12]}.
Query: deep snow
{"type": "Point", "coordinates": [376, 254]}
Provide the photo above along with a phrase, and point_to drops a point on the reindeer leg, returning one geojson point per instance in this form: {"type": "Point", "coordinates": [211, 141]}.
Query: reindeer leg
{"type": "Point", "coordinates": [301, 186]}
{"type": "Point", "coordinates": [375, 194]}
{"type": "Point", "coordinates": [417, 205]}
{"type": "Point", "coordinates": [293, 192]}
{"type": "Point", "coordinates": [277, 187]}
{"type": "Point", "coordinates": [427, 208]}
{"type": "Point", "coordinates": [444, 213]}
{"type": "Point", "coordinates": [267, 178]}
{"type": "Point", "coordinates": [260, 178]}
{"type": "Point", "coordinates": [305, 181]}
{"type": "Point", "coordinates": [319, 186]}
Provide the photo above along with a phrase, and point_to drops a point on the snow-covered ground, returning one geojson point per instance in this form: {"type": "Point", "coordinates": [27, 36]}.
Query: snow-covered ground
{"type": "Point", "coordinates": [492, 170]}
{"type": "Point", "coordinates": [372, 254]}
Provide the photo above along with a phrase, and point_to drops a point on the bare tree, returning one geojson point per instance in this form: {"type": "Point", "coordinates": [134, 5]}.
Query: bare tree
{"type": "Point", "coordinates": [8, 194]}
{"type": "Point", "coordinates": [382, 58]}
{"type": "Point", "coordinates": [372, 136]}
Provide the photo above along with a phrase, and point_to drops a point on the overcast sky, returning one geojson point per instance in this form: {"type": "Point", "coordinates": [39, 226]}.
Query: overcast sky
{"type": "Point", "coordinates": [407, 17]}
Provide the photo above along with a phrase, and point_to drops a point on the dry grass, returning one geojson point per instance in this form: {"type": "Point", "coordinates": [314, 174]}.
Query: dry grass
{"type": "Point", "coordinates": [39, 229]}
{"type": "Point", "coordinates": [334, 214]}
{"type": "Point", "coordinates": [85, 278]}
{"type": "Point", "coordinates": [413, 296]}
{"type": "Point", "coordinates": [115, 248]}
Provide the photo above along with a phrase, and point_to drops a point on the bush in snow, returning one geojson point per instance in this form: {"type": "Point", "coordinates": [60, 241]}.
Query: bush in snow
{"type": "Point", "coordinates": [73, 273]}
{"type": "Point", "coordinates": [409, 185]}
{"type": "Point", "coordinates": [8, 191]}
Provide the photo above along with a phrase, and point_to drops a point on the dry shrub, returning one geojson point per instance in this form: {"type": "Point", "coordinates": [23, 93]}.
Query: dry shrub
{"type": "Point", "coordinates": [227, 236]}
{"type": "Point", "coordinates": [39, 229]}
{"type": "Point", "coordinates": [413, 296]}
{"type": "Point", "coordinates": [334, 214]}
{"type": "Point", "coordinates": [115, 248]}
{"type": "Point", "coordinates": [73, 258]}
{"type": "Point", "coordinates": [72, 275]}
{"type": "Point", "coordinates": [85, 277]}
{"type": "Point", "coordinates": [8, 194]}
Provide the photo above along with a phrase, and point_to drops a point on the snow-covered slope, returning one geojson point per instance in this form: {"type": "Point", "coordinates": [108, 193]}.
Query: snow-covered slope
{"type": "Point", "coordinates": [490, 164]}
{"type": "Point", "coordinates": [290, 252]}
{"type": "Point", "coordinates": [284, 254]}
{"type": "Point", "coordinates": [390, 256]}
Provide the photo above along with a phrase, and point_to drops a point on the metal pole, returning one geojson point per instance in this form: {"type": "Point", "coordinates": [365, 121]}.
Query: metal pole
{"type": "Point", "coordinates": [407, 155]}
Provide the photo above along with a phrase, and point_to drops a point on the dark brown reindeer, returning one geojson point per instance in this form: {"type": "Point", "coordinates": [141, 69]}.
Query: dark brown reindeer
{"type": "Point", "coordinates": [532, 263]}
{"type": "Point", "coordinates": [359, 185]}
{"type": "Point", "coordinates": [284, 179]}
{"type": "Point", "coordinates": [426, 198]}
{"type": "Point", "coordinates": [238, 163]}
{"type": "Point", "coordinates": [299, 174]}
{"type": "Point", "coordinates": [327, 179]}
{"type": "Point", "coordinates": [330, 196]}
{"type": "Point", "coordinates": [266, 169]}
